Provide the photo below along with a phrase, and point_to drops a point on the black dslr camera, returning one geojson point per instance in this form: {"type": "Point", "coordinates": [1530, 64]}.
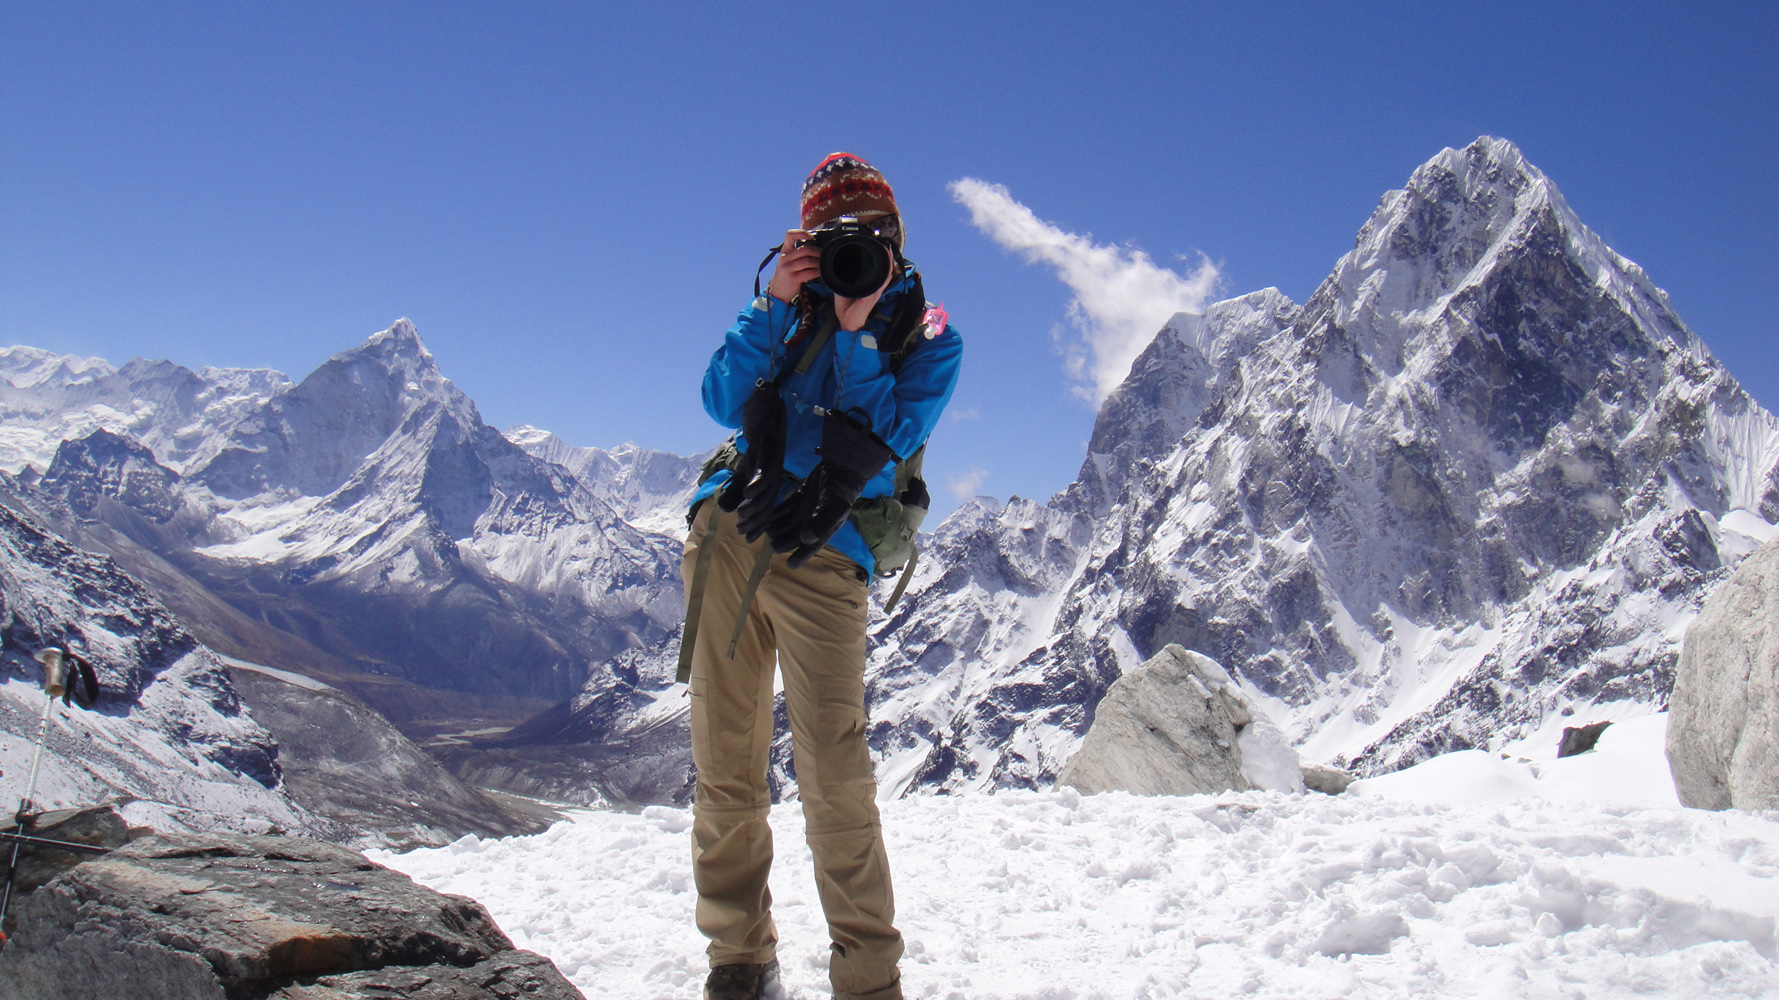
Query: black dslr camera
{"type": "Point", "coordinates": [855, 259]}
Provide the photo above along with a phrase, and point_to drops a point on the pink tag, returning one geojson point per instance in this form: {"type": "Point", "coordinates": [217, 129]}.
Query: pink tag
{"type": "Point", "coordinates": [933, 323]}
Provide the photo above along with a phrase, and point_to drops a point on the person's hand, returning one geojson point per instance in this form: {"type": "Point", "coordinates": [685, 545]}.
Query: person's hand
{"type": "Point", "coordinates": [795, 266]}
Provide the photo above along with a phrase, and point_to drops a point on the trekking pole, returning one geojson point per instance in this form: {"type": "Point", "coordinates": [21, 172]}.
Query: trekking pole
{"type": "Point", "coordinates": [51, 658]}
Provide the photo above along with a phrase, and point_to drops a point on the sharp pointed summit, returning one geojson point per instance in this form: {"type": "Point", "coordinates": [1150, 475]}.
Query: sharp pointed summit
{"type": "Point", "coordinates": [1478, 481]}
{"type": "Point", "coordinates": [310, 439]}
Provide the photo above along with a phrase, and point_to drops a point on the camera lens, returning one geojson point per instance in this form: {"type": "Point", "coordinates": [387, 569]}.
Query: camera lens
{"type": "Point", "coordinates": [854, 265]}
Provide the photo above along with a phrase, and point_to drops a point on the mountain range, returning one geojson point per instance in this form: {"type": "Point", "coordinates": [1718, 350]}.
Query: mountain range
{"type": "Point", "coordinates": [1480, 481]}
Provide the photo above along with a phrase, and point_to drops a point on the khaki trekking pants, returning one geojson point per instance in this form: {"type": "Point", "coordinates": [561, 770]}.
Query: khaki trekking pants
{"type": "Point", "coordinates": [812, 621]}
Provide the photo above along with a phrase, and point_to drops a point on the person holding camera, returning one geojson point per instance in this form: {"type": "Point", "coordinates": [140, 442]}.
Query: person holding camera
{"type": "Point", "coordinates": [834, 376]}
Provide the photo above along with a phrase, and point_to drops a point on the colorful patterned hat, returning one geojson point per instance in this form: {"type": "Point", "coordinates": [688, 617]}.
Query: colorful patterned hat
{"type": "Point", "coordinates": [844, 184]}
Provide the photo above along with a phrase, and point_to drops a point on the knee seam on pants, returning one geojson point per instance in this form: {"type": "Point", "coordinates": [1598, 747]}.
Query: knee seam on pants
{"type": "Point", "coordinates": [744, 812]}
{"type": "Point", "coordinates": [842, 832]}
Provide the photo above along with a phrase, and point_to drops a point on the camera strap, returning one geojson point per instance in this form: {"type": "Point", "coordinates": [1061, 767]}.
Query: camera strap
{"type": "Point", "coordinates": [762, 268]}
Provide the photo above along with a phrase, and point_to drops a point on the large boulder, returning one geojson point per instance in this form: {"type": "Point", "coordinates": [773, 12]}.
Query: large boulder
{"type": "Point", "coordinates": [1723, 717]}
{"type": "Point", "coordinates": [1178, 725]}
{"type": "Point", "coordinates": [223, 917]}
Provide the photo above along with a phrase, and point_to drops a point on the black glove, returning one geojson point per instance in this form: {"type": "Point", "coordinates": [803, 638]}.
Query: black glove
{"type": "Point", "coordinates": [851, 457]}
{"type": "Point", "coordinates": [753, 485]}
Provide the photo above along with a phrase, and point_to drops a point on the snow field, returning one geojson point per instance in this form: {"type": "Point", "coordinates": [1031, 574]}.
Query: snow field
{"type": "Point", "coordinates": [1407, 886]}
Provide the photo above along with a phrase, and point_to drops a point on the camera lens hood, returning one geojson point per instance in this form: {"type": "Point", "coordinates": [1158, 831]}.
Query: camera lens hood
{"type": "Point", "coordinates": [854, 264]}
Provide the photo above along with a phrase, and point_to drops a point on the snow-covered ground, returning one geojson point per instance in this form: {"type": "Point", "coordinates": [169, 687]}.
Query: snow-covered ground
{"type": "Point", "coordinates": [1468, 876]}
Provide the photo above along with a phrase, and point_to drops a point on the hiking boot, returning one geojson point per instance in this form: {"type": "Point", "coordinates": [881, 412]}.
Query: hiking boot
{"type": "Point", "coordinates": [742, 982]}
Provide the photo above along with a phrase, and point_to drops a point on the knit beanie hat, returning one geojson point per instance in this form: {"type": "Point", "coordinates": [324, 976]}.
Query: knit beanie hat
{"type": "Point", "coordinates": [844, 184]}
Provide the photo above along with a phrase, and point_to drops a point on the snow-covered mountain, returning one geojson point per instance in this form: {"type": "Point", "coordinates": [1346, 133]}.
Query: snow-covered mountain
{"type": "Point", "coordinates": [1484, 476]}
{"type": "Point", "coordinates": [181, 415]}
{"type": "Point", "coordinates": [363, 527]}
{"type": "Point", "coordinates": [170, 740]}
{"type": "Point", "coordinates": [184, 738]}
{"type": "Point", "coordinates": [370, 511]}
{"type": "Point", "coordinates": [649, 489]}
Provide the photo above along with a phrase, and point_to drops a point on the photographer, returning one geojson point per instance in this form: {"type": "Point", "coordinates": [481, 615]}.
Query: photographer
{"type": "Point", "coordinates": [835, 377]}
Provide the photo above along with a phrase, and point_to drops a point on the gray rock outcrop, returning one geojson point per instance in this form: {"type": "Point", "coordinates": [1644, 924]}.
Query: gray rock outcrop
{"type": "Point", "coordinates": [1178, 725]}
{"type": "Point", "coordinates": [1723, 717]}
{"type": "Point", "coordinates": [1326, 779]}
{"type": "Point", "coordinates": [226, 917]}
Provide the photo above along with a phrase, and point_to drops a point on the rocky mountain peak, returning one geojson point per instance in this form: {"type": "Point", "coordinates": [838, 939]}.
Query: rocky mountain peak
{"type": "Point", "coordinates": [1170, 384]}
{"type": "Point", "coordinates": [106, 464]}
{"type": "Point", "coordinates": [395, 361]}
{"type": "Point", "coordinates": [1474, 485]}
{"type": "Point", "coordinates": [1469, 223]}
{"type": "Point", "coordinates": [312, 438]}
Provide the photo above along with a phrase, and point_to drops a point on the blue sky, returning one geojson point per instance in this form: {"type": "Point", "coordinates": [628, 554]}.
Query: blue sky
{"type": "Point", "coordinates": [569, 199]}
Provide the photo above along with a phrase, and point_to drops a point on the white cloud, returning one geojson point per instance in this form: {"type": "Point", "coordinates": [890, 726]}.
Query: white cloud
{"type": "Point", "coordinates": [1122, 297]}
{"type": "Point", "coordinates": [970, 413]}
{"type": "Point", "coordinates": [965, 488]}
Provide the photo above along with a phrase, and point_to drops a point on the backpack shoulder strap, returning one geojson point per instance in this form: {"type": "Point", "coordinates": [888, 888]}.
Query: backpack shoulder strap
{"type": "Point", "coordinates": [829, 323]}
{"type": "Point", "coordinates": [899, 340]}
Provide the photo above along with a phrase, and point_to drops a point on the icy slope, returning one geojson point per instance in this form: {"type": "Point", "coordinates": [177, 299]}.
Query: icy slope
{"type": "Point", "coordinates": [1483, 478]}
{"type": "Point", "coordinates": [1487, 879]}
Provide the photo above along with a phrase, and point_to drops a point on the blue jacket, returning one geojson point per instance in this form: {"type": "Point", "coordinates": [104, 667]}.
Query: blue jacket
{"type": "Point", "coordinates": [903, 406]}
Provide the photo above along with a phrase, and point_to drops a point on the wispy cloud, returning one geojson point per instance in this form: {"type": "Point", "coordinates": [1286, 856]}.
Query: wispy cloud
{"type": "Point", "coordinates": [966, 487]}
{"type": "Point", "coordinates": [967, 413]}
{"type": "Point", "coordinates": [1122, 297]}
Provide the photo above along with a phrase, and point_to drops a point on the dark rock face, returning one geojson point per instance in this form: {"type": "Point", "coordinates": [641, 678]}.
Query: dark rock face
{"type": "Point", "coordinates": [510, 975]}
{"type": "Point", "coordinates": [103, 464]}
{"type": "Point", "coordinates": [250, 917]}
{"type": "Point", "coordinates": [1580, 739]}
{"type": "Point", "coordinates": [1483, 470]}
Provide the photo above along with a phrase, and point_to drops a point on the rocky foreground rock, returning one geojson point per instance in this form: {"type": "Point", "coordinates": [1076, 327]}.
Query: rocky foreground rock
{"type": "Point", "coordinates": [1723, 718]}
{"type": "Point", "coordinates": [1178, 725]}
{"type": "Point", "coordinates": [226, 917]}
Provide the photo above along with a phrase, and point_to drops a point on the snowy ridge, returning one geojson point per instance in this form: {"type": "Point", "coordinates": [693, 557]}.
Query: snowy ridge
{"type": "Point", "coordinates": [1483, 479]}
{"type": "Point", "coordinates": [649, 489]}
{"type": "Point", "coordinates": [180, 415]}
